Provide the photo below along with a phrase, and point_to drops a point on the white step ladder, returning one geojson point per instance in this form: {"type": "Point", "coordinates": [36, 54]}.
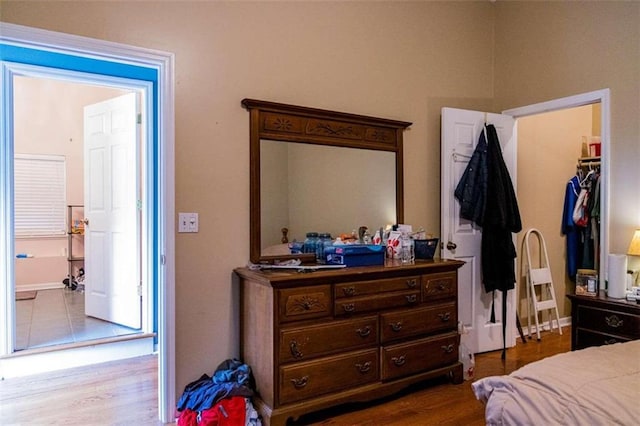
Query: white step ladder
{"type": "Point", "coordinates": [540, 292]}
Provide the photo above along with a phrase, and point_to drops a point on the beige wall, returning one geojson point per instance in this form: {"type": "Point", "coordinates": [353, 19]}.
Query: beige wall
{"type": "Point", "coordinates": [549, 50]}
{"type": "Point", "coordinates": [399, 60]}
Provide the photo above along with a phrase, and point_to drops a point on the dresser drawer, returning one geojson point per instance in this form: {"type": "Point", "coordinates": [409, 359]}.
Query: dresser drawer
{"type": "Point", "coordinates": [303, 343]}
{"type": "Point", "coordinates": [436, 286]}
{"type": "Point", "coordinates": [304, 302]}
{"type": "Point", "coordinates": [399, 324]}
{"type": "Point", "coordinates": [587, 338]}
{"type": "Point", "coordinates": [362, 288]}
{"type": "Point", "coordinates": [609, 321]}
{"type": "Point", "coordinates": [358, 305]}
{"type": "Point", "coordinates": [313, 378]}
{"type": "Point", "coordinates": [420, 355]}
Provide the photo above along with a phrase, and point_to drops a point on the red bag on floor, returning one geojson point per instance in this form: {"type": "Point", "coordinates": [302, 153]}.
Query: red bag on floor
{"type": "Point", "coordinates": [226, 412]}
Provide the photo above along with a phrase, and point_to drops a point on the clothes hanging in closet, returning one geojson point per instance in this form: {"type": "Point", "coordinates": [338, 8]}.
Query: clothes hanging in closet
{"type": "Point", "coordinates": [581, 222]}
{"type": "Point", "coordinates": [569, 228]}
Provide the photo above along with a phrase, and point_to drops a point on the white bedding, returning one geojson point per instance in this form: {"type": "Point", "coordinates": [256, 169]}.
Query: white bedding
{"type": "Point", "coordinates": [593, 386]}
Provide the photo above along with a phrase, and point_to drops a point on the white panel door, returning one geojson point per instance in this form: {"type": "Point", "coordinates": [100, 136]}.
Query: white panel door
{"type": "Point", "coordinates": [110, 194]}
{"type": "Point", "coordinates": [462, 238]}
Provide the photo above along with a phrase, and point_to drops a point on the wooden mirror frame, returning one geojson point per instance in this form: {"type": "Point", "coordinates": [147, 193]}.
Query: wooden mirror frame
{"type": "Point", "coordinates": [290, 123]}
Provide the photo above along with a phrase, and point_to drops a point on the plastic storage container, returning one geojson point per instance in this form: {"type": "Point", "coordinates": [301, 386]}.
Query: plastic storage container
{"type": "Point", "coordinates": [355, 255]}
{"type": "Point", "coordinates": [310, 243]}
{"type": "Point", "coordinates": [425, 249]}
{"type": "Point", "coordinates": [324, 242]}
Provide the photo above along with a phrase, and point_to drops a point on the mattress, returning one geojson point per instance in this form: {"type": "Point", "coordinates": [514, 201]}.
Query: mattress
{"type": "Point", "coordinates": [592, 386]}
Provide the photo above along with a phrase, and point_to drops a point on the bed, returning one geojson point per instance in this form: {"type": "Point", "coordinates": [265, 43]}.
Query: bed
{"type": "Point", "coordinates": [592, 386]}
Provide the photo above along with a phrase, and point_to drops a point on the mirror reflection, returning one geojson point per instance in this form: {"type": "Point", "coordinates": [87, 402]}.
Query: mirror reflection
{"type": "Point", "coordinates": [319, 188]}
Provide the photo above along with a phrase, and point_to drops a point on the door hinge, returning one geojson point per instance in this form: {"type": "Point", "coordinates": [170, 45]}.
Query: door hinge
{"type": "Point", "coordinates": [163, 259]}
{"type": "Point", "coordinates": [139, 119]}
{"type": "Point", "coordinates": [139, 204]}
{"type": "Point", "coordinates": [140, 290]}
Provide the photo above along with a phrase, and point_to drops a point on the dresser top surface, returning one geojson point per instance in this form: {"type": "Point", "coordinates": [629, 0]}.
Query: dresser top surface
{"type": "Point", "coordinates": [394, 268]}
{"type": "Point", "coordinates": [602, 300]}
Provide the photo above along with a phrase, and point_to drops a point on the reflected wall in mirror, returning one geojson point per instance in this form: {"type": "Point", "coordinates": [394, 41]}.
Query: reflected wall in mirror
{"type": "Point", "coordinates": [317, 188]}
{"type": "Point", "coordinates": [316, 170]}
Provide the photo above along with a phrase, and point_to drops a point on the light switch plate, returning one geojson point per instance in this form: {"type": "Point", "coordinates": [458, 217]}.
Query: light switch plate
{"type": "Point", "coordinates": [187, 222]}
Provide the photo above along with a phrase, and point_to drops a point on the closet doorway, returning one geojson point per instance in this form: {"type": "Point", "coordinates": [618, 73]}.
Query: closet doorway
{"type": "Point", "coordinates": [555, 143]}
{"type": "Point", "coordinates": [550, 154]}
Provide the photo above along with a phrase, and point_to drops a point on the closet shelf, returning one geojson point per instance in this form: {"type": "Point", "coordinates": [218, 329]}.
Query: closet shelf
{"type": "Point", "coordinates": [587, 160]}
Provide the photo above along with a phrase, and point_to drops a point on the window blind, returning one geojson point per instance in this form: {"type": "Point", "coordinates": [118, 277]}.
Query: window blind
{"type": "Point", "coordinates": [39, 195]}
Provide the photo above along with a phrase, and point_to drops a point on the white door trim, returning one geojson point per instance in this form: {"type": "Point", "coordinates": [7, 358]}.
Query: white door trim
{"type": "Point", "coordinates": [603, 97]}
{"type": "Point", "coordinates": [163, 63]}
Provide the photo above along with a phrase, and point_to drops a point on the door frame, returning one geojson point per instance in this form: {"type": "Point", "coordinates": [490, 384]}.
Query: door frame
{"type": "Point", "coordinates": [603, 97]}
{"type": "Point", "coordinates": [93, 56]}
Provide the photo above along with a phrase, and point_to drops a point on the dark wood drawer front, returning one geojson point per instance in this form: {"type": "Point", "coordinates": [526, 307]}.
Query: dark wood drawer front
{"type": "Point", "coordinates": [358, 305]}
{"type": "Point", "coordinates": [401, 324]}
{"type": "Point", "coordinates": [303, 343]}
{"type": "Point", "coordinates": [587, 338]}
{"type": "Point", "coordinates": [420, 355]}
{"type": "Point", "coordinates": [313, 378]}
{"type": "Point", "coordinates": [363, 288]}
{"type": "Point", "coordinates": [609, 322]}
{"type": "Point", "coordinates": [435, 286]}
{"type": "Point", "coordinates": [304, 302]}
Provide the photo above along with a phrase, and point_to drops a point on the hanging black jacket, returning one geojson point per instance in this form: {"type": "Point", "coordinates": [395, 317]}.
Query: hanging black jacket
{"type": "Point", "coordinates": [472, 188]}
{"type": "Point", "coordinates": [501, 218]}
{"type": "Point", "coordinates": [486, 196]}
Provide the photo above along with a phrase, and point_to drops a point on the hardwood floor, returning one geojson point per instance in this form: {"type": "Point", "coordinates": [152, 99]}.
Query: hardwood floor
{"type": "Point", "coordinates": [125, 393]}
{"type": "Point", "coordinates": [113, 393]}
{"type": "Point", "coordinates": [439, 402]}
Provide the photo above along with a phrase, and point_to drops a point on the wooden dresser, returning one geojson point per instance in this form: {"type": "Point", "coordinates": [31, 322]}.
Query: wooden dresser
{"type": "Point", "coordinates": [599, 320]}
{"type": "Point", "coordinates": [319, 339]}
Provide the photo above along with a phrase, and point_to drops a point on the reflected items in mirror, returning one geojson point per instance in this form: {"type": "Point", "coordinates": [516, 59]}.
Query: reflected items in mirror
{"type": "Point", "coordinates": [319, 171]}
{"type": "Point", "coordinates": [324, 189]}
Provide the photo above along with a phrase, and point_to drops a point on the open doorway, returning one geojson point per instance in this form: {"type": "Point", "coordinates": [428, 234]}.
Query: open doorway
{"type": "Point", "coordinates": [24, 47]}
{"type": "Point", "coordinates": [558, 156]}
{"type": "Point", "coordinates": [59, 299]}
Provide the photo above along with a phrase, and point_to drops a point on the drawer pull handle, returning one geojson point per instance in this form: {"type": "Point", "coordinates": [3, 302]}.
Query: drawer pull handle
{"type": "Point", "coordinates": [448, 349]}
{"type": "Point", "coordinates": [293, 346]}
{"type": "Point", "coordinates": [412, 283]}
{"type": "Point", "coordinates": [444, 317]}
{"type": "Point", "coordinates": [306, 303]}
{"type": "Point", "coordinates": [613, 321]}
{"type": "Point", "coordinates": [399, 361]}
{"type": "Point", "coordinates": [364, 368]}
{"type": "Point", "coordinates": [441, 286]}
{"type": "Point", "coordinates": [412, 298]}
{"type": "Point", "coordinates": [349, 291]}
{"type": "Point", "coordinates": [301, 382]}
{"type": "Point", "coordinates": [349, 307]}
{"type": "Point", "coordinates": [364, 332]}
{"type": "Point", "coordinates": [610, 341]}
{"type": "Point", "coordinates": [396, 326]}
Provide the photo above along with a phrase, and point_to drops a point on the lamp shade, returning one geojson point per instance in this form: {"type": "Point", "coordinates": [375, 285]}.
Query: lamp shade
{"type": "Point", "coordinates": [634, 247]}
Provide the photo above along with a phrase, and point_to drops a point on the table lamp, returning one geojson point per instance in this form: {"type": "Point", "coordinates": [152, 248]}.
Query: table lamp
{"type": "Point", "coordinates": [634, 249]}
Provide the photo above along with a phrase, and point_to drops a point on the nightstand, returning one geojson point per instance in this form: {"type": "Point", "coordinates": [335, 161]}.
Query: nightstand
{"type": "Point", "coordinates": [600, 320]}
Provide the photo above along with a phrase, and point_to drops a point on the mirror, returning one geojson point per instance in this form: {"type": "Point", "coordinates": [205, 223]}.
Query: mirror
{"type": "Point", "coordinates": [318, 170]}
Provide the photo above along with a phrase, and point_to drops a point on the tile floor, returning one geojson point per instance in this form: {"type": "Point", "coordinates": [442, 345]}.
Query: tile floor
{"type": "Point", "coordinates": [56, 317]}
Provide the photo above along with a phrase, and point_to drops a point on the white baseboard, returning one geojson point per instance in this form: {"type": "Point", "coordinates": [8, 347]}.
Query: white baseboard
{"type": "Point", "coordinates": [544, 326]}
{"type": "Point", "coordinates": [39, 286]}
{"type": "Point", "coordinates": [28, 363]}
